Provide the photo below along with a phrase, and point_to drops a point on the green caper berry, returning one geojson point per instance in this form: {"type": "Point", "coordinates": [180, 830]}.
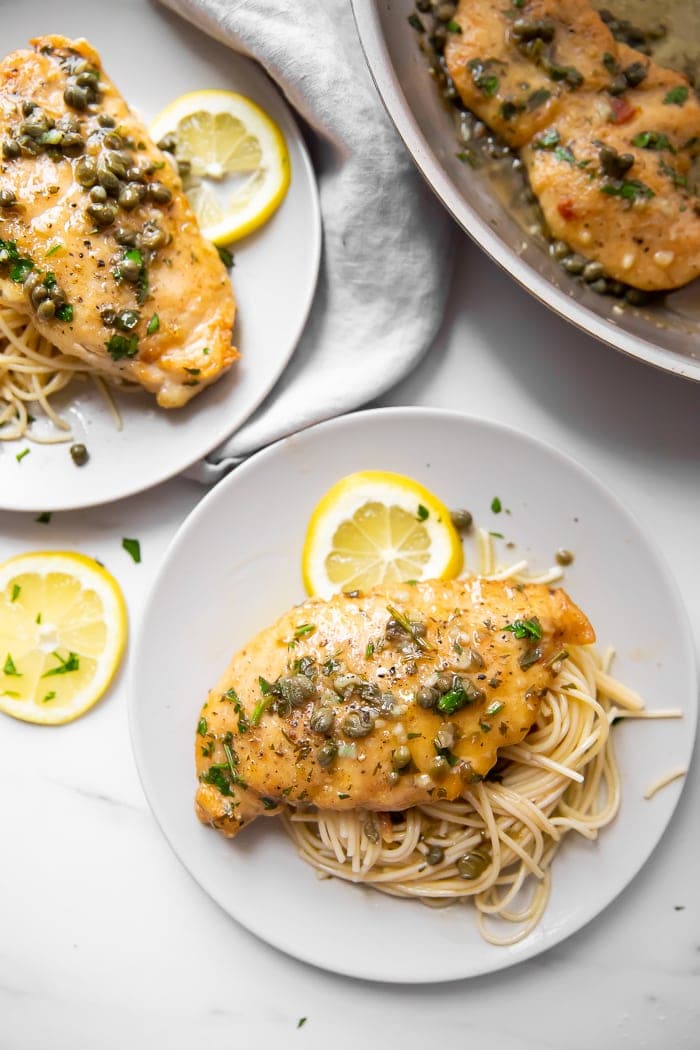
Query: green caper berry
{"type": "Point", "coordinates": [88, 79]}
{"type": "Point", "coordinates": [108, 316]}
{"type": "Point", "coordinates": [159, 193]}
{"type": "Point", "coordinates": [105, 121]}
{"type": "Point", "coordinates": [75, 97]}
{"type": "Point", "coordinates": [326, 754]}
{"type": "Point", "coordinates": [184, 168]}
{"type": "Point", "coordinates": [72, 143]}
{"type": "Point", "coordinates": [371, 830]}
{"type": "Point", "coordinates": [7, 199]}
{"type": "Point", "coordinates": [427, 698]}
{"type": "Point", "coordinates": [153, 237]}
{"type": "Point", "coordinates": [592, 271]}
{"type": "Point", "coordinates": [635, 73]}
{"type": "Point", "coordinates": [438, 39]}
{"type": "Point", "coordinates": [79, 454]}
{"type": "Point", "coordinates": [526, 29]}
{"type": "Point", "coordinates": [86, 172]}
{"type": "Point", "coordinates": [435, 855]}
{"type": "Point", "coordinates": [600, 287]}
{"type": "Point", "coordinates": [10, 149]}
{"type": "Point", "coordinates": [135, 174]}
{"type": "Point", "coordinates": [461, 519]}
{"type": "Point", "coordinates": [559, 249]}
{"type": "Point", "coordinates": [123, 235]}
{"type": "Point", "coordinates": [32, 280]}
{"type": "Point", "coordinates": [98, 195]}
{"type": "Point", "coordinates": [130, 270]}
{"type": "Point", "coordinates": [322, 720]}
{"type": "Point", "coordinates": [168, 144]}
{"type": "Point", "coordinates": [393, 777]}
{"type": "Point", "coordinates": [564, 557]}
{"type": "Point", "coordinates": [439, 767]}
{"type": "Point", "coordinates": [129, 198]}
{"type": "Point", "coordinates": [574, 264]}
{"type": "Point", "coordinates": [444, 12]}
{"type": "Point", "coordinates": [57, 295]}
{"type": "Point", "coordinates": [46, 310]}
{"type": "Point", "coordinates": [616, 288]}
{"type": "Point", "coordinates": [114, 162]}
{"type": "Point", "coordinates": [355, 726]}
{"type": "Point", "coordinates": [28, 146]}
{"type": "Point", "coordinates": [38, 293]}
{"type": "Point", "coordinates": [473, 864]}
{"type": "Point", "coordinates": [401, 757]}
{"type": "Point", "coordinates": [618, 85]}
{"type": "Point", "coordinates": [103, 214]}
{"type": "Point", "coordinates": [636, 297]}
{"type": "Point", "coordinates": [127, 320]}
{"type": "Point", "coordinates": [109, 182]}
{"type": "Point", "coordinates": [444, 682]}
{"type": "Point", "coordinates": [28, 107]}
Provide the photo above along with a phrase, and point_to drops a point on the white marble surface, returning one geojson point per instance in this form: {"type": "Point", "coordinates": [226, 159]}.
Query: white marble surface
{"type": "Point", "coordinates": [105, 941]}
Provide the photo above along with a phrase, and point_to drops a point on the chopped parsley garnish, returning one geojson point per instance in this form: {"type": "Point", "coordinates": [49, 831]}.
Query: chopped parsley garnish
{"type": "Point", "coordinates": [369, 651]}
{"type": "Point", "coordinates": [16, 591]}
{"type": "Point", "coordinates": [678, 180]}
{"type": "Point", "coordinates": [19, 265]}
{"type": "Point", "coordinates": [49, 696]}
{"type": "Point", "coordinates": [531, 628]}
{"type": "Point", "coordinates": [44, 518]}
{"type": "Point", "coordinates": [301, 1022]}
{"type": "Point", "coordinates": [652, 140]}
{"type": "Point", "coordinates": [132, 547]}
{"type": "Point", "coordinates": [547, 140]}
{"type": "Point", "coordinates": [202, 727]}
{"type": "Point", "coordinates": [497, 535]}
{"type": "Point", "coordinates": [453, 701]}
{"type": "Point", "coordinates": [631, 190]}
{"type": "Point", "coordinates": [303, 629]}
{"type": "Point", "coordinates": [9, 669]}
{"type": "Point", "coordinates": [208, 749]}
{"type": "Point", "coordinates": [564, 153]}
{"type": "Point", "coordinates": [330, 666]}
{"type": "Point", "coordinates": [453, 26]}
{"type": "Point", "coordinates": [485, 727]}
{"type": "Point", "coordinates": [487, 83]}
{"type": "Point", "coordinates": [225, 256]}
{"type": "Point", "coordinates": [65, 312]}
{"type": "Point", "coordinates": [53, 250]}
{"type": "Point", "coordinates": [343, 794]}
{"type": "Point", "coordinates": [153, 325]}
{"type": "Point", "coordinates": [496, 505]}
{"type": "Point", "coordinates": [71, 663]}
{"type": "Point", "coordinates": [404, 622]}
{"type": "Point", "coordinates": [422, 513]}
{"type": "Point", "coordinates": [677, 96]}
{"type": "Point", "coordinates": [20, 455]}
{"type": "Point", "coordinates": [120, 346]}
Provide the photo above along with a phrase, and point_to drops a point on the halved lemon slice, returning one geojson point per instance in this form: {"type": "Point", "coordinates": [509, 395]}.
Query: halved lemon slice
{"type": "Point", "coordinates": [238, 160]}
{"type": "Point", "coordinates": [377, 527]}
{"type": "Point", "coordinates": [63, 628]}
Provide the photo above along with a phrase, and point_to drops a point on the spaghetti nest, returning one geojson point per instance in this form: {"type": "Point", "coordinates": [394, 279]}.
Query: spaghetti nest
{"type": "Point", "coordinates": [493, 847]}
{"type": "Point", "coordinates": [32, 373]}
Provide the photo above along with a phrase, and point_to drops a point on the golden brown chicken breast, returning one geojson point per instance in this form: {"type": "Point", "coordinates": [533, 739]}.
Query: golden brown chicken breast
{"type": "Point", "coordinates": [380, 701]}
{"type": "Point", "coordinates": [607, 136]}
{"type": "Point", "coordinates": [98, 244]}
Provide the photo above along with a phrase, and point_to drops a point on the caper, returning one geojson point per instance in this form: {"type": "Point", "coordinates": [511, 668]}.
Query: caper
{"type": "Point", "coordinates": [129, 198]}
{"type": "Point", "coordinates": [371, 830]}
{"type": "Point", "coordinates": [618, 85]}
{"type": "Point", "coordinates": [75, 97]}
{"type": "Point", "coordinates": [108, 181]}
{"type": "Point", "coordinates": [7, 198]}
{"type": "Point", "coordinates": [297, 689]}
{"type": "Point", "coordinates": [559, 249]}
{"type": "Point", "coordinates": [438, 39]}
{"type": "Point", "coordinates": [28, 107]}
{"type": "Point", "coordinates": [435, 855]}
{"type": "Point", "coordinates": [616, 288]}
{"type": "Point", "coordinates": [105, 121]}
{"type": "Point", "coordinates": [10, 149]}
{"type": "Point", "coordinates": [427, 697]}
{"type": "Point", "coordinates": [473, 864]}
{"type": "Point", "coordinates": [127, 320]}
{"type": "Point", "coordinates": [114, 162]}
{"type": "Point", "coordinates": [123, 235]}
{"type": "Point", "coordinates": [322, 720]}
{"type": "Point", "coordinates": [169, 143]}
{"type": "Point", "coordinates": [135, 174]}
{"type": "Point", "coordinates": [574, 264]}
{"type": "Point", "coordinates": [103, 214]}
{"type": "Point", "coordinates": [108, 316]}
{"type": "Point", "coordinates": [326, 753]}
{"type": "Point", "coordinates": [184, 167]}
{"type": "Point", "coordinates": [28, 146]}
{"type": "Point", "coordinates": [72, 143]}
{"type": "Point", "coordinates": [153, 237]}
{"type": "Point", "coordinates": [98, 195]}
{"type": "Point", "coordinates": [68, 124]}
{"type": "Point", "coordinates": [525, 29]}
{"type": "Point", "coordinates": [88, 79]}
{"type": "Point", "coordinates": [79, 454]}
{"type": "Point", "coordinates": [393, 778]}
{"type": "Point", "coordinates": [564, 556]}
{"type": "Point", "coordinates": [86, 171]}
{"type": "Point", "coordinates": [38, 293]}
{"type": "Point", "coordinates": [592, 271]}
{"type": "Point", "coordinates": [446, 736]}
{"type": "Point", "coordinates": [159, 193]}
{"type": "Point", "coordinates": [439, 767]}
{"type": "Point", "coordinates": [418, 629]}
{"type": "Point", "coordinates": [444, 12]}
{"type": "Point", "coordinates": [635, 73]}
{"type": "Point", "coordinates": [613, 163]}
{"type": "Point", "coordinates": [600, 287]}
{"type": "Point", "coordinates": [357, 724]}
{"type": "Point", "coordinates": [57, 295]}
{"type": "Point", "coordinates": [461, 519]}
{"type": "Point", "coordinates": [445, 682]}
{"type": "Point", "coordinates": [401, 757]}
{"type": "Point", "coordinates": [130, 270]}
{"type": "Point", "coordinates": [46, 310]}
{"type": "Point", "coordinates": [636, 297]}
{"type": "Point", "coordinates": [32, 280]}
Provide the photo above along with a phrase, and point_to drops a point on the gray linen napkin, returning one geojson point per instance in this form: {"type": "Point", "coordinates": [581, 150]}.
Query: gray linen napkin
{"type": "Point", "coordinates": [386, 241]}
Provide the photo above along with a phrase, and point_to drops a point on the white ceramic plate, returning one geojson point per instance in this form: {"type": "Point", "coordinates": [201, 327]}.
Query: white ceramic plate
{"type": "Point", "coordinates": [154, 57]}
{"type": "Point", "coordinates": [234, 567]}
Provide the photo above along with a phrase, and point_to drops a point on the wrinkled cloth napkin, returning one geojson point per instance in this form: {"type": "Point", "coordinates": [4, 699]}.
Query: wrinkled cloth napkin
{"type": "Point", "coordinates": [387, 243]}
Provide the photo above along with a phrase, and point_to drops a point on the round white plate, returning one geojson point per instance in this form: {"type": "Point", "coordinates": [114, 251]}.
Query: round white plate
{"type": "Point", "coordinates": [234, 566]}
{"type": "Point", "coordinates": [153, 57]}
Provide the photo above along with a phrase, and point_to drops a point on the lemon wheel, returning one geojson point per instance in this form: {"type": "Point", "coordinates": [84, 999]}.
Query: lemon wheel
{"type": "Point", "coordinates": [63, 627]}
{"type": "Point", "coordinates": [236, 158]}
{"type": "Point", "coordinates": [376, 527]}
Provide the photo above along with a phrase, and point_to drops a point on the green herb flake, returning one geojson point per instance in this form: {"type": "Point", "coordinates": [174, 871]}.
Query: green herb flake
{"type": "Point", "coordinates": [49, 696]}
{"type": "Point", "coordinates": [453, 26]}
{"type": "Point", "coordinates": [652, 140]}
{"type": "Point", "coordinates": [369, 651]}
{"type": "Point", "coordinates": [415, 23]}
{"type": "Point", "coordinates": [206, 351]}
{"type": "Point", "coordinates": [9, 669]}
{"type": "Point", "coordinates": [259, 710]}
{"type": "Point", "coordinates": [153, 325]}
{"type": "Point", "coordinates": [677, 96]}
{"type": "Point", "coordinates": [269, 803]}
{"type": "Point", "coordinates": [52, 251]}
{"type": "Point", "coordinates": [495, 708]}
{"type": "Point", "coordinates": [565, 154]}
{"type": "Point", "coordinates": [547, 140]}
{"type": "Point", "coordinates": [497, 535]}
{"type": "Point", "coordinates": [132, 547]}
{"type": "Point", "coordinates": [531, 628]}
{"type": "Point", "coordinates": [343, 794]}
{"type": "Point", "coordinates": [38, 618]}
{"type": "Point", "coordinates": [452, 701]}
{"type": "Point", "coordinates": [422, 513]}
{"type": "Point", "coordinates": [121, 346]}
{"type": "Point", "coordinates": [44, 518]}
{"type": "Point", "coordinates": [16, 591]}
{"type": "Point", "coordinates": [71, 663]}
{"type": "Point", "coordinates": [413, 736]}
{"type": "Point", "coordinates": [225, 256]}
{"type": "Point", "coordinates": [496, 505]}
{"type": "Point", "coordinates": [301, 1022]}
{"type": "Point", "coordinates": [20, 455]}
{"type": "Point", "coordinates": [65, 313]}
{"type": "Point", "coordinates": [485, 727]}
{"type": "Point", "coordinates": [631, 190]}
{"type": "Point", "coordinates": [202, 727]}
{"type": "Point", "coordinates": [304, 629]}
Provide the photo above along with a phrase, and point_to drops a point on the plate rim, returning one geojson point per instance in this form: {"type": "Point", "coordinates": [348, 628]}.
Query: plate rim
{"type": "Point", "coordinates": [555, 299]}
{"type": "Point", "coordinates": [525, 950]}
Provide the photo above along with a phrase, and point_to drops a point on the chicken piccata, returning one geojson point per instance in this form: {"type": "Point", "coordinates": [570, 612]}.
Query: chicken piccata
{"type": "Point", "coordinates": [382, 700]}
{"type": "Point", "coordinates": [98, 244]}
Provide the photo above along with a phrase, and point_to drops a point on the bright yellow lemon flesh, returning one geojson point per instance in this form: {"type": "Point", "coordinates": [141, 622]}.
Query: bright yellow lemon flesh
{"type": "Point", "coordinates": [63, 627]}
{"type": "Point", "coordinates": [377, 527]}
{"type": "Point", "coordinates": [238, 161]}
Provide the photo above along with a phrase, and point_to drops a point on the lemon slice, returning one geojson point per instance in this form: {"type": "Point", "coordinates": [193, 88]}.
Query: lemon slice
{"type": "Point", "coordinates": [376, 527]}
{"type": "Point", "coordinates": [62, 633]}
{"type": "Point", "coordinates": [238, 160]}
